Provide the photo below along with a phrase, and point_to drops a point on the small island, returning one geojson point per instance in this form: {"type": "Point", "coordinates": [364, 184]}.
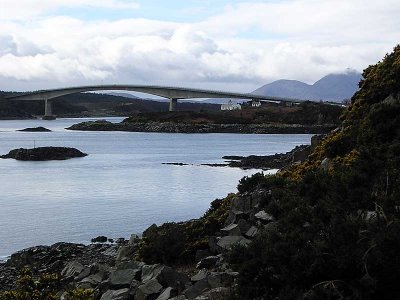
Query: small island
{"type": "Point", "coordinates": [44, 153]}
{"type": "Point", "coordinates": [35, 129]}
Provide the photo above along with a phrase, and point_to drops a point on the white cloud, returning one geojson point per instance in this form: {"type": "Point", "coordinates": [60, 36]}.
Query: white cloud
{"type": "Point", "coordinates": [300, 39]}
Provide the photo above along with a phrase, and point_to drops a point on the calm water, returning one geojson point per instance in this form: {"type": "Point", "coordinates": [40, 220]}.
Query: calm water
{"type": "Point", "coordinates": [121, 187]}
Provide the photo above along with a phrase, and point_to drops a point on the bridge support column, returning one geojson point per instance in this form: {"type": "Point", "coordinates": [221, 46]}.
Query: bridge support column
{"type": "Point", "coordinates": [48, 110]}
{"type": "Point", "coordinates": [172, 104]}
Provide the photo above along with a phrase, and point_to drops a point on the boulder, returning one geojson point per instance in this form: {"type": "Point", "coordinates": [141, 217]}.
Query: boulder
{"type": "Point", "coordinates": [73, 268]}
{"type": "Point", "coordinates": [121, 294]}
{"type": "Point", "coordinates": [123, 278]}
{"type": "Point", "coordinates": [325, 164]}
{"type": "Point", "coordinates": [263, 216]}
{"type": "Point", "coordinates": [91, 281]}
{"type": "Point", "coordinates": [252, 232]}
{"type": "Point", "coordinates": [232, 229]}
{"type": "Point", "coordinates": [168, 293]}
{"type": "Point", "coordinates": [197, 289]}
{"type": "Point", "coordinates": [166, 276]}
{"type": "Point", "coordinates": [207, 262]}
{"type": "Point", "coordinates": [227, 242]}
{"type": "Point", "coordinates": [99, 239]}
{"type": "Point", "coordinates": [83, 274]}
{"type": "Point", "coordinates": [129, 265]}
{"type": "Point", "coordinates": [202, 274]}
{"type": "Point", "coordinates": [147, 289]}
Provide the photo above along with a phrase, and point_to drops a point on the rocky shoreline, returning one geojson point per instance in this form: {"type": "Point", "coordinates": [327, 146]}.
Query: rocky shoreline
{"type": "Point", "coordinates": [266, 162]}
{"type": "Point", "coordinates": [173, 127]}
{"type": "Point", "coordinates": [112, 270]}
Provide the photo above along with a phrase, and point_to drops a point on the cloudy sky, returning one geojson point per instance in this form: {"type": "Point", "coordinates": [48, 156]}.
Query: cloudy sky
{"type": "Point", "coordinates": [218, 44]}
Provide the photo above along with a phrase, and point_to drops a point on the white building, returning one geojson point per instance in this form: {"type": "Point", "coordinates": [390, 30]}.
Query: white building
{"type": "Point", "coordinates": [230, 106]}
{"type": "Point", "coordinates": [255, 103]}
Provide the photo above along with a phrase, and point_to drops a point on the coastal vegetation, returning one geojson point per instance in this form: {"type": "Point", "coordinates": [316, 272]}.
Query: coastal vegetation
{"type": "Point", "coordinates": [338, 233]}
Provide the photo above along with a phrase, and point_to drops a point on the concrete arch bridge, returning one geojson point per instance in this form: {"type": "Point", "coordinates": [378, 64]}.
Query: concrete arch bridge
{"type": "Point", "coordinates": [172, 93]}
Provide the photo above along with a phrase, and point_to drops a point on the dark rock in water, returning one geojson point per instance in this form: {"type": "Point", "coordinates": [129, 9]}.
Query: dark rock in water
{"type": "Point", "coordinates": [275, 161]}
{"type": "Point", "coordinates": [176, 164]}
{"type": "Point", "coordinates": [44, 153]}
{"type": "Point", "coordinates": [99, 239]}
{"type": "Point", "coordinates": [36, 129]}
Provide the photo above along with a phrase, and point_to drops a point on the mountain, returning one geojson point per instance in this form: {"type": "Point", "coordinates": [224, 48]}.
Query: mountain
{"type": "Point", "coordinates": [125, 95]}
{"type": "Point", "coordinates": [332, 87]}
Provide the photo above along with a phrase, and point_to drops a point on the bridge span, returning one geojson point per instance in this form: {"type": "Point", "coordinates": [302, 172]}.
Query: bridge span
{"type": "Point", "coordinates": [172, 93]}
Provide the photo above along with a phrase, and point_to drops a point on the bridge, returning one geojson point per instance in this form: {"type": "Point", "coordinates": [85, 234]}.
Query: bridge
{"type": "Point", "coordinates": [172, 93]}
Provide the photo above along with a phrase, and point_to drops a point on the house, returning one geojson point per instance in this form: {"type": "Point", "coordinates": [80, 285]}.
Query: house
{"type": "Point", "coordinates": [255, 103]}
{"type": "Point", "coordinates": [231, 106]}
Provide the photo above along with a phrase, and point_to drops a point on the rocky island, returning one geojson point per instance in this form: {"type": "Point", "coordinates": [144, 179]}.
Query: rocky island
{"type": "Point", "coordinates": [35, 129]}
{"type": "Point", "coordinates": [307, 117]}
{"type": "Point", "coordinates": [44, 153]}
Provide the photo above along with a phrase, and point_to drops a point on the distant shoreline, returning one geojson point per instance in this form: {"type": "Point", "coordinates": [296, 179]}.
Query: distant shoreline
{"type": "Point", "coordinates": [173, 127]}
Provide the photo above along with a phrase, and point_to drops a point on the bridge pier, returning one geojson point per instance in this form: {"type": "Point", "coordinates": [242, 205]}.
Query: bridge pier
{"type": "Point", "coordinates": [48, 110]}
{"type": "Point", "coordinates": [172, 104]}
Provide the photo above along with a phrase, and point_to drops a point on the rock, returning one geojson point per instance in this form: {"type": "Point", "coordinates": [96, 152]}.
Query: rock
{"type": "Point", "coordinates": [262, 215]}
{"type": "Point", "coordinates": [316, 139]}
{"type": "Point", "coordinates": [130, 265]}
{"type": "Point", "coordinates": [197, 289]}
{"type": "Point", "coordinates": [36, 129]}
{"type": "Point", "coordinates": [83, 274]}
{"type": "Point", "coordinates": [207, 262]}
{"type": "Point", "coordinates": [325, 164]}
{"type": "Point", "coordinates": [168, 293]}
{"type": "Point", "coordinates": [123, 278]}
{"type": "Point", "coordinates": [166, 276]}
{"type": "Point", "coordinates": [99, 239]}
{"type": "Point", "coordinates": [151, 271]}
{"type": "Point", "coordinates": [232, 229]}
{"type": "Point", "coordinates": [149, 288]}
{"type": "Point", "coordinates": [252, 232]}
{"type": "Point", "coordinates": [91, 281]}
{"type": "Point", "coordinates": [202, 274]}
{"type": "Point", "coordinates": [125, 253]}
{"type": "Point", "coordinates": [44, 153]}
{"type": "Point", "coordinates": [300, 153]}
{"type": "Point", "coordinates": [227, 242]}
{"type": "Point", "coordinates": [121, 294]}
{"type": "Point", "coordinates": [133, 239]}
{"type": "Point", "coordinates": [73, 268]}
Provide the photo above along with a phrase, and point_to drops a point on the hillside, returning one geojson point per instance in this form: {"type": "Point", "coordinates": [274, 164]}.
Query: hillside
{"type": "Point", "coordinates": [337, 218]}
{"type": "Point", "coordinates": [333, 87]}
{"type": "Point", "coordinates": [92, 104]}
